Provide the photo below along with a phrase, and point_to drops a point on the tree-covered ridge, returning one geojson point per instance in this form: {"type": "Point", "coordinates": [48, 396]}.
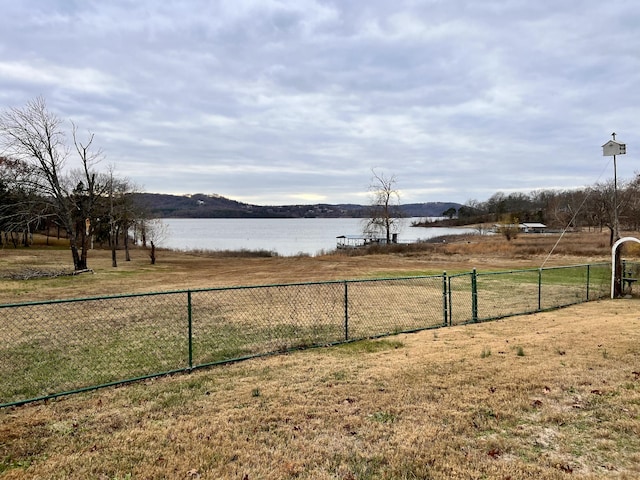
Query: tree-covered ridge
{"type": "Point", "coordinates": [214, 206]}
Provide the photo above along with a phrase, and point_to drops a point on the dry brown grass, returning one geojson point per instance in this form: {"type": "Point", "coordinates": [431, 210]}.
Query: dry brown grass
{"type": "Point", "coordinates": [553, 395]}
{"type": "Point", "coordinates": [176, 270]}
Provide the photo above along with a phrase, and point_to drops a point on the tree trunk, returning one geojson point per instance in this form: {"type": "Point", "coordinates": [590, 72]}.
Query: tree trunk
{"type": "Point", "coordinates": [144, 236]}
{"type": "Point", "coordinates": [78, 252]}
{"type": "Point", "coordinates": [127, 257]}
{"type": "Point", "coordinates": [153, 253]}
{"type": "Point", "coordinates": [85, 251]}
{"type": "Point", "coordinates": [77, 263]}
{"type": "Point", "coordinates": [112, 242]}
{"type": "Point", "coordinates": [387, 226]}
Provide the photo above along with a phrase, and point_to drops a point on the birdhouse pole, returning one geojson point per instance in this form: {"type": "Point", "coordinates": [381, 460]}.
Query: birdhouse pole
{"type": "Point", "coordinates": [610, 149]}
{"type": "Point", "coordinates": [616, 232]}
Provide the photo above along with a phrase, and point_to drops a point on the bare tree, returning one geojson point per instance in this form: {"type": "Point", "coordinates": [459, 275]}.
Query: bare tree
{"type": "Point", "coordinates": [123, 213]}
{"type": "Point", "coordinates": [156, 233]}
{"type": "Point", "coordinates": [509, 226]}
{"type": "Point", "coordinates": [34, 136]}
{"type": "Point", "coordinates": [384, 208]}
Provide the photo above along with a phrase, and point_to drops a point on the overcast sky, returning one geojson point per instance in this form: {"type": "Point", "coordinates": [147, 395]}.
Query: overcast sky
{"type": "Point", "coordinates": [286, 102]}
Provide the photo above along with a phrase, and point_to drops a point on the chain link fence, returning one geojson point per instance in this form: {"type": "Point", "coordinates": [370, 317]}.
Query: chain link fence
{"type": "Point", "coordinates": [60, 347]}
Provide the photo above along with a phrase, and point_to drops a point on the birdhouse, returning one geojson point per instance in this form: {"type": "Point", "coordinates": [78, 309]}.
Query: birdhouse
{"type": "Point", "coordinates": [613, 147]}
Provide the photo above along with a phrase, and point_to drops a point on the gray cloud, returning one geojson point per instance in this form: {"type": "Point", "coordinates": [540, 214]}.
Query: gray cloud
{"type": "Point", "coordinates": [278, 102]}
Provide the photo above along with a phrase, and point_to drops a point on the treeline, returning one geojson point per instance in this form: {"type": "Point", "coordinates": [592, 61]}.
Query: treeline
{"type": "Point", "coordinates": [215, 206]}
{"type": "Point", "coordinates": [105, 212]}
{"type": "Point", "coordinates": [591, 207]}
{"type": "Point", "coordinates": [40, 191]}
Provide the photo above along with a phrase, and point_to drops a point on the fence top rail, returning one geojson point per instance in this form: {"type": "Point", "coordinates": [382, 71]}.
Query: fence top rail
{"type": "Point", "coordinates": [387, 279]}
{"type": "Point", "coordinates": [507, 272]}
{"type": "Point", "coordinates": [89, 299]}
{"type": "Point", "coordinates": [501, 272]}
{"type": "Point", "coordinates": [599, 264]}
{"type": "Point", "coordinates": [463, 274]}
{"type": "Point", "coordinates": [542, 269]}
{"type": "Point", "coordinates": [208, 289]}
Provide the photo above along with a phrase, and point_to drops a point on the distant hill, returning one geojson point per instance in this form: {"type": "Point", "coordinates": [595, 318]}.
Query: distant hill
{"type": "Point", "coordinates": [214, 206]}
{"type": "Point", "coordinates": [429, 209]}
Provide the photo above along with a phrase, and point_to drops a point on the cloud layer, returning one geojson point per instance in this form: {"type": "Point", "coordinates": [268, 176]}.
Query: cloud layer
{"type": "Point", "coordinates": [280, 102]}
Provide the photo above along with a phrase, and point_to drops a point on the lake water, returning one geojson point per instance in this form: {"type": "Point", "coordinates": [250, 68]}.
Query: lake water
{"type": "Point", "coordinates": [286, 236]}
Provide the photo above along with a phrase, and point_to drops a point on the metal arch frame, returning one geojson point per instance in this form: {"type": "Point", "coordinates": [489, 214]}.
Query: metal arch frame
{"type": "Point", "coordinates": [613, 258]}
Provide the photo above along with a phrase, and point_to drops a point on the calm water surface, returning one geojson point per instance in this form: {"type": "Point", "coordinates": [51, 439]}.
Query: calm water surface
{"type": "Point", "coordinates": [286, 236]}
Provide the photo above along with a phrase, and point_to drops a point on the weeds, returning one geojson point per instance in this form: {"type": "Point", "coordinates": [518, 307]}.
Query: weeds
{"type": "Point", "coordinates": [241, 253]}
{"type": "Point", "coordinates": [383, 417]}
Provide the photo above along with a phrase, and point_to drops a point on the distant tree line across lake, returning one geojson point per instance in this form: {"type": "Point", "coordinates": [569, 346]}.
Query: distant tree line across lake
{"type": "Point", "coordinates": [200, 205]}
{"type": "Point", "coordinates": [588, 207]}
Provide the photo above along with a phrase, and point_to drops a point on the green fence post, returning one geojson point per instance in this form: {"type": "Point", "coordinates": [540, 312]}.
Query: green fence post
{"type": "Point", "coordinates": [540, 289]}
{"type": "Point", "coordinates": [588, 279]}
{"type": "Point", "coordinates": [450, 302]}
{"type": "Point", "coordinates": [346, 311]}
{"type": "Point", "coordinates": [474, 296]}
{"type": "Point", "coordinates": [444, 298]}
{"type": "Point", "coordinates": [190, 323]}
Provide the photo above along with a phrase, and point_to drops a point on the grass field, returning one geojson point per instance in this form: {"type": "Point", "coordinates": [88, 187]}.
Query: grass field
{"type": "Point", "coordinates": [175, 270]}
{"type": "Point", "coordinates": [62, 346]}
{"type": "Point", "coordinates": [550, 395]}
